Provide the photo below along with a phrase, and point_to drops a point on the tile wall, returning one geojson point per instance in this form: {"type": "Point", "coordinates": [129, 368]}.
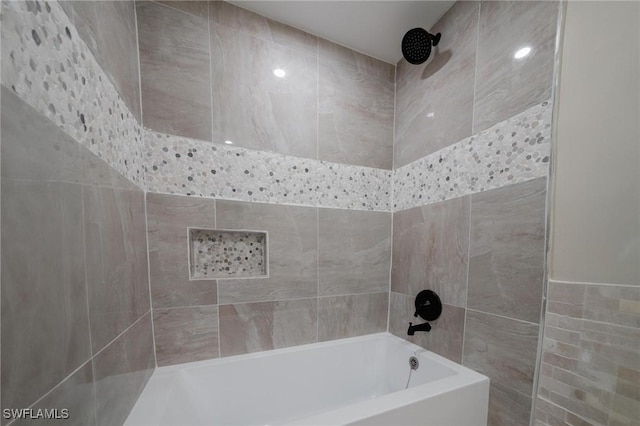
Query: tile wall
{"type": "Point", "coordinates": [471, 153]}
{"type": "Point", "coordinates": [333, 104]}
{"type": "Point", "coordinates": [76, 318]}
{"type": "Point", "coordinates": [328, 278]}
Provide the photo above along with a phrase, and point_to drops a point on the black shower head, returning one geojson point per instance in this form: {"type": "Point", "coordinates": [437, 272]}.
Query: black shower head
{"type": "Point", "coordinates": [416, 45]}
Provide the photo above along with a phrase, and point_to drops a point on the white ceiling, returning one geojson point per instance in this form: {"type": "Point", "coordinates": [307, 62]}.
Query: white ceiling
{"type": "Point", "coordinates": [375, 28]}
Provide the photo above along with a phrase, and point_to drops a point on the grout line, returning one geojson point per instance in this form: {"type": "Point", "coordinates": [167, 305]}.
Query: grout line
{"type": "Point", "coordinates": [135, 16]}
{"type": "Point", "coordinates": [552, 281]}
{"type": "Point", "coordinates": [466, 299]}
{"type": "Point", "coordinates": [60, 383]}
{"type": "Point", "coordinates": [317, 274]}
{"type": "Point", "coordinates": [86, 285]}
{"type": "Point", "coordinates": [475, 72]}
{"type": "Point", "coordinates": [153, 330]}
{"type": "Point", "coordinates": [283, 300]}
{"type": "Point", "coordinates": [503, 317]}
{"type": "Point", "coordinates": [209, 35]}
{"type": "Point", "coordinates": [122, 334]}
{"type": "Point", "coordinates": [215, 224]}
{"type": "Point", "coordinates": [392, 188]}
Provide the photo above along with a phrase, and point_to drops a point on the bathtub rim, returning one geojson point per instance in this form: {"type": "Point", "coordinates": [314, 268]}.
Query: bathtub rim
{"type": "Point", "coordinates": [358, 411]}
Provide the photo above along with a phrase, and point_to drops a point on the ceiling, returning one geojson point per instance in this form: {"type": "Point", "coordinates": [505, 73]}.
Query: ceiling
{"type": "Point", "coordinates": [375, 28]}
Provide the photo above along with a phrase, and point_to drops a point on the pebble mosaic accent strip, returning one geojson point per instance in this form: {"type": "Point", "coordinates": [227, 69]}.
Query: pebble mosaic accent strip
{"type": "Point", "coordinates": [45, 62]}
{"type": "Point", "coordinates": [227, 254]}
{"type": "Point", "coordinates": [178, 165]}
{"type": "Point", "coordinates": [515, 150]}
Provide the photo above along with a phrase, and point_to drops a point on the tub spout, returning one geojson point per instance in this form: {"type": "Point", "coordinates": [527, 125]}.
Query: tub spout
{"type": "Point", "coordinates": [420, 327]}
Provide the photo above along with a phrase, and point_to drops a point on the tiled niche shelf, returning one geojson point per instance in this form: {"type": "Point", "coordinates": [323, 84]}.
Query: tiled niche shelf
{"type": "Point", "coordinates": [221, 253]}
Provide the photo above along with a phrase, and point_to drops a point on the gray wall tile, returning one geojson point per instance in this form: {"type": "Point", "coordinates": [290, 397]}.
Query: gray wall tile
{"type": "Point", "coordinates": [186, 334]}
{"type": "Point", "coordinates": [121, 371]}
{"type": "Point", "coordinates": [505, 85]}
{"type": "Point", "coordinates": [354, 251]}
{"type": "Point", "coordinates": [168, 217]}
{"type": "Point", "coordinates": [355, 109]}
{"type": "Point", "coordinates": [76, 394]}
{"type": "Point", "coordinates": [197, 7]}
{"type": "Point", "coordinates": [446, 335]}
{"type": "Point", "coordinates": [116, 261]}
{"type": "Point", "coordinates": [174, 68]}
{"type": "Point", "coordinates": [109, 30]}
{"type": "Point", "coordinates": [252, 327]}
{"type": "Point", "coordinates": [434, 101]}
{"type": "Point", "coordinates": [508, 407]}
{"type": "Point", "coordinates": [349, 316]}
{"type": "Point", "coordinates": [503, 349]}
{"type": "Point", "coordinates": [430, 248]}
{"type": "Point", "coordinates": [506, 264]}
{"type": "Point", "coordinates": [34, 148]}
{"type": "Point", "coordinates": [45, 328]}
{"type": "Point", "coordinates": [250, 23]}
{"type": "Point", "coordinates": [292, 250]}
{"type": "Point", "coordinates": [254, 108]}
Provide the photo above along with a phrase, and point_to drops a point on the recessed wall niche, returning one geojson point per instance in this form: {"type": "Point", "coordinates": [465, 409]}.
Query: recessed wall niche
{"type": "Point", "coordinates": [220, 253]}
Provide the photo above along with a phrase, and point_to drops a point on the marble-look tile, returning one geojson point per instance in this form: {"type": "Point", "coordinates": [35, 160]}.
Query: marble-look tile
{"type": "Point", "coordinates": [76, 394]}
{"type": "Point", "coordinates": [186, 334]}
{"type": "Point", "coordinates": [508, 407]}
{"type": "Point", "coordinates": [250, 23]}
{"type": "Point", "coordinates": [292, 251]}
{"type": "Point", "coordinates": [515, 150]}
{"type": "Point", "coordinates": [116, 261]}
{"type": "Point", "coordinates": [354, 251]}
{"type": "Point", "coordinates": [359, 62]}
{"type": "Point", "coordinates": [434, 101]}
{"type": "Point", "coordinates": [121, 372]}
{"type": "Point", "coordinates": [109, 30]}
{"type": "Point", "coordinates": [168, 217]}
{"type": "Point", "coordinates": [507, 248]}
{"type": "Point", "coordinates": [354, 315]}
{"type": "Point", "coordinates": [46, 63]}
{"type": "Point", "coordinates": [174, 68]}
{"type": "Point", "coordinates": [34, 148]}
{"type": "Point", "coordinates": [196, 7]}
{"type": "Point", "coordinates": [501, 348]}
{"type": "Point", "coordinates": [590, 363]}
{"type": "Point", "coordinates": [430, 248]}
{"type": "Point", "coordinates": [505, 85]}
{"type": "Point", "coordinates": [117, 37]}
{"type": "Point", "coordinates": [254, 108]}
{"type": "Point", "coordinates": [355, 113]}
{"type": "Point", "coordinates": [253, 327]}
{"type": "Point", "coordinates": [45, 324]}
{"type": "Point", "coordinates": [446, 335]}
{"type": "Point", "coordinates": [99, 173]}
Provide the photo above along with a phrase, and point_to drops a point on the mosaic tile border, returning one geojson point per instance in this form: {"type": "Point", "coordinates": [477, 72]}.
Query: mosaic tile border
{"type": "Point", "coordinates": [515, 150]}
{"type": "Point", "coordinates": [47, 64]}
{"type": "Point", "coordinates": [178, 165]}
{"type": "Point", "coordinates": [221, 253]}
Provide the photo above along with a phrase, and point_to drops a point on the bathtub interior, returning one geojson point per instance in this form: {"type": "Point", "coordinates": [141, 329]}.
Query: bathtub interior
{"type": "Point", "coordinates": [280, 386]}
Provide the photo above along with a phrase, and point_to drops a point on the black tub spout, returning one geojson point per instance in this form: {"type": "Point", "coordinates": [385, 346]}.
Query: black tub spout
{"type": "Point", "coordinates": [420, 327]}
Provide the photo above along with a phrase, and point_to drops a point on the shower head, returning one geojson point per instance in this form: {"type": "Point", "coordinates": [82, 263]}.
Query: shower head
{"type": "Point", "coordinates": [416, 45]}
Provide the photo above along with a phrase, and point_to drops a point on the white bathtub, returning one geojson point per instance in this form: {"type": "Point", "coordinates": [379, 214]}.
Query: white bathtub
{"type": "Point", "coordinates": [351, 381]}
